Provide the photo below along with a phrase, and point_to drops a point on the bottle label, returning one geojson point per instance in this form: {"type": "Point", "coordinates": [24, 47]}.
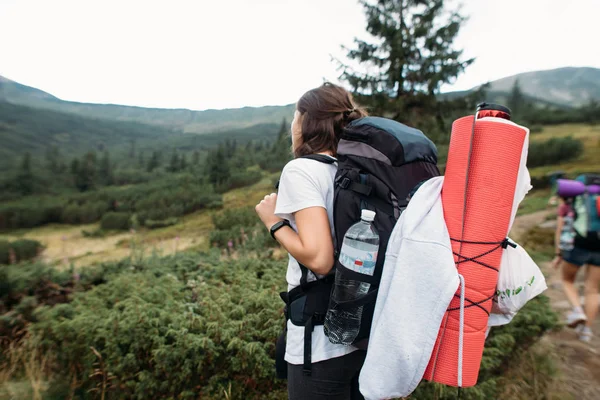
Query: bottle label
{"type": "Point", "coordinates": [357, 260]}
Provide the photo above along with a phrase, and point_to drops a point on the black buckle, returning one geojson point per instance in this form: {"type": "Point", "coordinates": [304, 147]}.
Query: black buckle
{"type": "Point", "coordinates": [345, 183]}
{"type": "Point", "coordinates": [318, 318]}
{"type": "Point", "coordinates": [506, 242]}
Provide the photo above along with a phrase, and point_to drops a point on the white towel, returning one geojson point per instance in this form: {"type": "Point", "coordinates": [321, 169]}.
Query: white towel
{"type": "Point", "coordinates": [424, 279]}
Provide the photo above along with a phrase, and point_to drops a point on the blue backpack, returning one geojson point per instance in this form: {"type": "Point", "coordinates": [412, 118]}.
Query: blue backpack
{"type": "Point", "coordinates": [587, 209]}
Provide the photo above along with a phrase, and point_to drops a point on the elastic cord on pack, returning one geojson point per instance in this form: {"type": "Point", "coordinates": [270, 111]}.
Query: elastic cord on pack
{"type": "Point", "coordinates": [461, 329]}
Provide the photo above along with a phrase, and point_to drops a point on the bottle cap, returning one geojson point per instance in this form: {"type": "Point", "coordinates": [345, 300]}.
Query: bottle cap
{"type": "Point", "coordinates": [367, 215]}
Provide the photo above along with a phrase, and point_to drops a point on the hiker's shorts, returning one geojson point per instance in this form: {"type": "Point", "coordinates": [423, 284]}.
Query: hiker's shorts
{"type": "Point", "coordinates": [580, 257]}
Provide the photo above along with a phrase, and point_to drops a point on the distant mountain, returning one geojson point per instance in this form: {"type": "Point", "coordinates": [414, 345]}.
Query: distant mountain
{"type": "Point", "coordinates": [189, 121]}
{"type": "Point", "coordinates": [34, 130]}
{"type": "Point", "coordinates": [564, 87]}
{"type": "Point", "coordinates": [570, 86]}
{"type": "Point", "coordinates": [25, 129]}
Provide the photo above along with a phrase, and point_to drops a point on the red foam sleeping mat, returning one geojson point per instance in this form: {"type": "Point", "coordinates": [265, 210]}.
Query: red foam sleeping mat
{"type": "Point", "coordinates": [483, 215]}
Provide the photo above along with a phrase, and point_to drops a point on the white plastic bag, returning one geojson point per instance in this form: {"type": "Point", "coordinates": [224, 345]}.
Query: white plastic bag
{"type": "Point", "coordinates": [519, 280]}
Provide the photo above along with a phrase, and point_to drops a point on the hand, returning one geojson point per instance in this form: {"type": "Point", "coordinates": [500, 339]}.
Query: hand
{"type": "Point", "coordinates": [266, 210]}
{"type": "Point", "coordinates": [556, 262]}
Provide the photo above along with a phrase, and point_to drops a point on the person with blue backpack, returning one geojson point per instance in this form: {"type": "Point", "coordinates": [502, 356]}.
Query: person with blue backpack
{"type": "Point", "coordinates": [577, 243]}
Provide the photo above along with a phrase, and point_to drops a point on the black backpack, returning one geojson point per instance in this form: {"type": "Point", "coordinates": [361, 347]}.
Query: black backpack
{"type": "Point", "coordinates": [380, 164]}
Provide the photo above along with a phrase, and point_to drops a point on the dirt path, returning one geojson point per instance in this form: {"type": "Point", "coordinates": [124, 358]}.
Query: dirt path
{"type": "Point", "coordinates": [578, 362]}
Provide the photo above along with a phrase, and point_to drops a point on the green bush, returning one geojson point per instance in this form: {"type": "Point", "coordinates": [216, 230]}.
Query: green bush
{"type": "Point", "coordinates": [115, 221]}
{"type": "Point", "coordinates": [179, 327]}
{"type": "Point", "coordinates": [4, 252]}
{"type": "Point", "coordinates": [232, 217]}
{"type": "Point", "coordinates": [26, 249]}
{"type": "Point", "coordinates": [152, 224]}
{"type": "Point", "coordinates": [23, 250]}
{"type": "Point", "coordinates": [191, 326]}
{"type": "Point", "coordinates": [553, 151]}
{"type": "Point", "coordinates": [161, 199]}
{"type": "Point", "coordinates": [240, 179]}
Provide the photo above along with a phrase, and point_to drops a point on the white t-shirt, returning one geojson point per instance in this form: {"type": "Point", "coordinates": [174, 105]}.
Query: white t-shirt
{"type": "Point", "coordinates": [306, 183]}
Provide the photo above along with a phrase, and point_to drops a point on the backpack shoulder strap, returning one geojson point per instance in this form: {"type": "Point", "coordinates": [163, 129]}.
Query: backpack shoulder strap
{"type": "Point", "coordinates": [317, 157]}
{"type": "Point", "coordinates": [320, 158]}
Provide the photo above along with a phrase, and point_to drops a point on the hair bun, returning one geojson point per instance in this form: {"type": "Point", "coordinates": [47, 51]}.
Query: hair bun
{"type": "Point", "coordinates": [348, 112]}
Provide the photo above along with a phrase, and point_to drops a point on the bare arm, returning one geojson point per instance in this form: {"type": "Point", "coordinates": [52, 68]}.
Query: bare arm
{"type": "Point", "coordinates": [312, 246]}
{"type": "Point", "coordinates": [560, 222]}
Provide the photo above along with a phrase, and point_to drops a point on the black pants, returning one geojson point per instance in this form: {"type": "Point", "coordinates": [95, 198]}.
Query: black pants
{"type": "Point", "coordinates": [333, 379]}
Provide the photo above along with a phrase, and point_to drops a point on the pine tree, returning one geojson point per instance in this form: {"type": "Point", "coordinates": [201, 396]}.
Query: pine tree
{"type": "Point", "coordinates": [74, 166]}
{"type": "Point", "coordinates": [196, 157]}
{"type": "Point", "coordinates": [105, 170]}
{"type": "Point", "coordinates": [174, 165]}
{"type": "Point", "coordinates": [25, 179]}
{"type": "Point", "coordinates": [53, 159]}
{"type": "Point", "coordinates": [86, 174]}
{"type": "Point", "coordinates": [141, 161]}
{"type": "Point", "coordinates": [182, 163]}
{"type": "Point", "coordinates": [154, 162]}
{"type": "Point", "coordinates": [517, 102]}
{"type": "Point", "coordinates": [217, 167]}
{"type": "Point", "coordinates": [411, 57]}
{"type": "Point", "coordinates": [132, 149]}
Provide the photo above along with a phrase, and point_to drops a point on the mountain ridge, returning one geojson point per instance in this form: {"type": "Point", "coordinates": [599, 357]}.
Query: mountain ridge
{"type": "Point", "coordinates": [562, 87]}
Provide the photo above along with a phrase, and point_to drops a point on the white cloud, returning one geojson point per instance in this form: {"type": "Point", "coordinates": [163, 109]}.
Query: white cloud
{"type": "Point", "coordinates": [230, 53]}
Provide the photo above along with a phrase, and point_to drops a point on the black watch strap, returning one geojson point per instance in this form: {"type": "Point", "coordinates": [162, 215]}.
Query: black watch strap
{"type": "Point", "coordinates": [278, 226]}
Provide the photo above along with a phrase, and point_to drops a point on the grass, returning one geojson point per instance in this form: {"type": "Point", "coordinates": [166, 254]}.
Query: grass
{"type": "Point", "coordinates": [537, 200]}
{"type": "Point", "coordinates": [588, 162]}
{"type": "Point", "coordinates": [66, 245]}
{"type": "Point", "coordinates": [533, 375]}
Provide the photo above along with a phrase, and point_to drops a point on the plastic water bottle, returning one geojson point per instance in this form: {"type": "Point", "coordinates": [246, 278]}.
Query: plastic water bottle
{"type": "Point", "coordinates": [359, 254]}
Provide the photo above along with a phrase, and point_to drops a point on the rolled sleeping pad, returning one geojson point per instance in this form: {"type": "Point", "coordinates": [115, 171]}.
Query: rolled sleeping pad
{"type": "Point", "coordinates": [593, 189]}
{"type": "Point", "coordinates": [569, 188]}
{"type": "Point", "coordinates": [572, 188]}
{"type": "Point", "coordinates": [478, 199]}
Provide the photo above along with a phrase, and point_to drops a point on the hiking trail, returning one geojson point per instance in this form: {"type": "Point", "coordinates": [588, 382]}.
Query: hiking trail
{"type": "Point", "coordinates": [578, 363]}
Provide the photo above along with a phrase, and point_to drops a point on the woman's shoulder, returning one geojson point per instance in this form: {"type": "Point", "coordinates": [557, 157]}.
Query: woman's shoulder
{"type": "Point", "coordinates": [306, 163]}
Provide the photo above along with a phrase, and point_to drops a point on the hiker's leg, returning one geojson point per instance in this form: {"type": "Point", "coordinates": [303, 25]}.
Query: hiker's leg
{"type": "Point", "coordinates": [591, 293]}
{"type": "Point", "coordinates": [330, 379]}
{"type": "Point", "coordinates": [569, 272]}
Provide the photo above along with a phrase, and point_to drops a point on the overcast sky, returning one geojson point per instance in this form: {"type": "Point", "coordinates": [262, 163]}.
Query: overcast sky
{"type": "Point", "coordinates": [203, 54]}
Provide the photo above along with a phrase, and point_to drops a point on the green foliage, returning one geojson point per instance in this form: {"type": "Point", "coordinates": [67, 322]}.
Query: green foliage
{"type": "Point", "coordinates": [504, 346]}
{"type": "Point", "coordinates": [84, 172]}
{"type": "Point", "coordinates": [105, 173]}
{"type": "Point", "coordinates": [35, 130]}
{"type": "Point", "coordinates": [217, 167]}
{"type": "Point", "coordinates": [115, 221]}
{"type": "Point", "coordinates": [154, 162]}
{"type": "Point", "coordinates": [26, 249]}
{"type": "Point", "coordinates": [158, 200]}
{"type": "Point", "coordinates": [517, 102]}
{"type": "Point", "coordinates": [152, 224]}
{"type": "Point", "coordinates": [25, 180]}
{"type": "Point", "coordinates": [280, 151]}
{"type": "Point", "coordinates": [411, 57]}
{"type": "Point", "coordinates": [553, 151]}
{"type": "Point", "coordinates": [192, 325]}
{"type": "Point", "coordinates": [4, 252]}
{"type": "Point", "coordinates": [226, 219]}
{"type": "Point", "coordinates": [21, 250]}
{"type": "Point", "coordinates": [177, 327]}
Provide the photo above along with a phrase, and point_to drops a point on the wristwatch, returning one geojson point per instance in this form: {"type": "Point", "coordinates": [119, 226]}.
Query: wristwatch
{"type": "Point", "coordinates": [277, 226]}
